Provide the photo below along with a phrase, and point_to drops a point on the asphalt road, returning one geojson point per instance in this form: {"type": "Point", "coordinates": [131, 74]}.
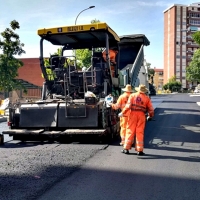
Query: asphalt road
{"type": "Point", "coordinates": [170, 170]}
{"type": "Point", "coordinates": [85, 171]}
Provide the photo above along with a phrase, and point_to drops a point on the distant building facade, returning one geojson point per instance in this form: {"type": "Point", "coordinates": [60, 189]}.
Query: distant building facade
{"type": "Point", "coordinates": [158, 79]}
{"type": "Point", "coordinates": [180, 21]}
{"type": "Point", "coordinates": [31, 71]}
{"type": "Point", "coordinates": [31, 77]}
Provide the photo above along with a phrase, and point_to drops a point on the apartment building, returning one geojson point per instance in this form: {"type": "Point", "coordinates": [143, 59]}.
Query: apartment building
{"type": "Point", "coordinates": [180, 21]}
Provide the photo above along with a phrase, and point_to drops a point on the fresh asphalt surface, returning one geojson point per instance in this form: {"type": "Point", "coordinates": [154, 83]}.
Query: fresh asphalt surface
{"type": "Point", "coordinates": [170, 170]}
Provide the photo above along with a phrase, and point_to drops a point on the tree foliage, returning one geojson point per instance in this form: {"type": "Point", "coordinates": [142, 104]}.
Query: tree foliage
{"type": "Point", "coordinates": [196, 37]}
{"type": "Point", "coordinates": [172, 79]}
{"type": "Point", "coordinates": [173, 85]}
{"type": "Point", "coordinates": [94, 21]}
{"type": "Point", "coordinates": [151, 73]}
{"type": "Point", "coordinates": [83, 57]}
{"type": "Point", "coordinates": [193, 70]}
{"type": "Point", "coordinates": [10, 45]}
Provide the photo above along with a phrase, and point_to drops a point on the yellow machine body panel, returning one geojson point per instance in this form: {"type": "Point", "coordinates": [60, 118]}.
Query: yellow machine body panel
{"type": "Point", "coordinates": [80, 36]}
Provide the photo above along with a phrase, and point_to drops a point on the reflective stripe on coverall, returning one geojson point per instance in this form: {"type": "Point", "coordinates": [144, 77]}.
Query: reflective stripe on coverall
{"type": "Point", "coordinates": [121, 102]}
{"type": "Point", "coordinates": [138, 104]}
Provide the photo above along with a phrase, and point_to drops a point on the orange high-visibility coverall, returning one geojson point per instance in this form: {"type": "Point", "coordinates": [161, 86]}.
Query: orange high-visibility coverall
{"type": "Point", "coordinates": [138, 104]}
{"type": "Point", "coordinates": [112, 54]}
{"type": "Point", "coordinates": [121, 102]}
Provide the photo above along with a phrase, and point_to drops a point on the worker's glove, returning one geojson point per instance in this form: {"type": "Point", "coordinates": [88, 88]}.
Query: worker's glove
{"type": "Point", "coordinates": [109, 104]}
{"type": "Point", "coordinates": [120, 114]}
{"type": "Point", "coordinates": [149, 118]}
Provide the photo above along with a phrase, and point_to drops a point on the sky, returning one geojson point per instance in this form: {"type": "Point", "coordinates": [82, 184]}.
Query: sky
{"type": "Point", "coordinates": [125, 17]}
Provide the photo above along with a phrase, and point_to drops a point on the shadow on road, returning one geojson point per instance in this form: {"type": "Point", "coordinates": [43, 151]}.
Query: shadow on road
{"type": "Point", "coordinates": [105, 184]}
{"type": "Point", "coordinates": [188, 159]}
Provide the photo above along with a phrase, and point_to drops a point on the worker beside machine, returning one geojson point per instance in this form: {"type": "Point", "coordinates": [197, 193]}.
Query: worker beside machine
{"type": "Point", "coordinates": [112, 53]}
{"type": "Point", "coordinates": [121, 102]}
{"type": "Point", "coordinates": [138, 104]}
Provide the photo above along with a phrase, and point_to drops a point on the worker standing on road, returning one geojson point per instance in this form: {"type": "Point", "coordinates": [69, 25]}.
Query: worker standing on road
{"type": "Point", "coordinates": [138, 105]}
{"type": "Point", "coordinates": [121, 102]}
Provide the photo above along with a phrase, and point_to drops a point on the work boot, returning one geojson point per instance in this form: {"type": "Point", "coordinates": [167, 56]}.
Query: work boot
{"type": "Point", "coordinates": [125, 151]}
{"type": "Point", "coordinates": [140, 153]}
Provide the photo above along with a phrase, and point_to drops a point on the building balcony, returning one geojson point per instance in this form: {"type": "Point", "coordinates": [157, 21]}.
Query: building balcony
{"type": "Point", "coordinates": [193, 17]}
{"type": "Point", "coordinates": [190, 44]}
{"type": "Point", "coordinates": [190, 52]}
{"type": "Point", "coordinates": [189, 38]}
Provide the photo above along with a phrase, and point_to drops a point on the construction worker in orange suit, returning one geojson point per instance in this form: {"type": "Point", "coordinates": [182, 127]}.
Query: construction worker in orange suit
{"type": "Point", "coordinates": [112, 53]}
{"type": "Point", "coordinates": [138, 105]}
{"type": "Point", "coordinates": [121, 102]}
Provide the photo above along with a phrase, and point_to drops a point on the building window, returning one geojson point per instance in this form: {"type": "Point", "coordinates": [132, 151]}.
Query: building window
{"type": "Point", "coordinates": [197, 15]}
{"type": "Point", "coordinates": [194, 22]}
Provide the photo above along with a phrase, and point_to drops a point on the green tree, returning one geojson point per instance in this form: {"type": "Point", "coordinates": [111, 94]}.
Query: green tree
{"type": "Point", "coordinates": [83, 57]}
{"type": "Point", "coordinates": [10, 45]}
{"type": "Point", "coordinates": [172, 79]}
{"type": "Point", "coordinates": [193, 70]}
{"type": "Point", "coordinates": [94, 21]}
{"type": "Point", "coordinates": [173, 85]}
{"type": "Point", "coordinates": [196, 37]}
{"type": "Point", "coordinates": [151, 73]}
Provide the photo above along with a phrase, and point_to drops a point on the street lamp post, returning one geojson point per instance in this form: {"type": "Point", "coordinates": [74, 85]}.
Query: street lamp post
{"type": "Point", "coordinates": [83, 11]}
